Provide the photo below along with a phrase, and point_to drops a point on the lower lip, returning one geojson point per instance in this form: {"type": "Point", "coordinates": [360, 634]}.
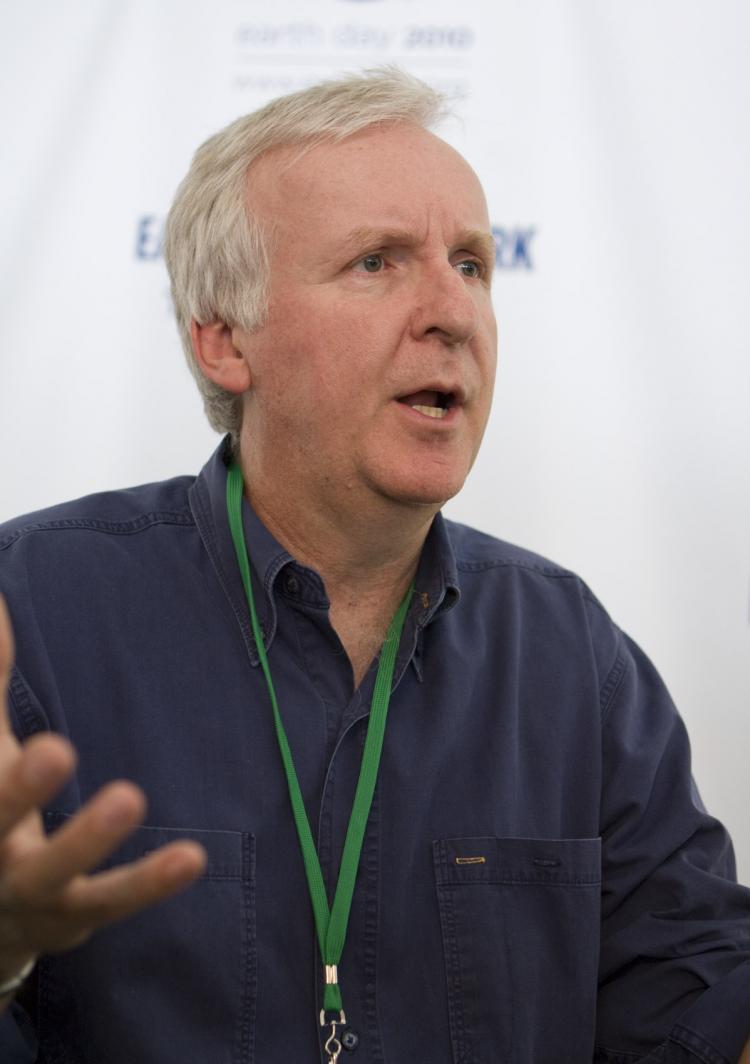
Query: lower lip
{"type": "Point", "coordinates": [437, 423]}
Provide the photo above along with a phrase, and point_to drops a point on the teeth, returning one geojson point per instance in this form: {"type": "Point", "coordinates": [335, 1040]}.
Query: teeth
{"type": "Point", "coordinates": [431, 411]}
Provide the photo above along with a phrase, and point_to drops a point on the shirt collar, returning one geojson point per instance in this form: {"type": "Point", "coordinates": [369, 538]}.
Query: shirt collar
{"type": "Point", "coordinates": [436, 583]}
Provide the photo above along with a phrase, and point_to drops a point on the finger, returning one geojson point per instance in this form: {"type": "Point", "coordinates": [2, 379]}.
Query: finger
{"type": "Point", "coordinates": [94, 901]}
{"type": "Point", "coordinates": [31, 775]}
{"type": "Point", "coordinates": [7, 650]}
{"type": "Point", "coordinates": [80, 844]}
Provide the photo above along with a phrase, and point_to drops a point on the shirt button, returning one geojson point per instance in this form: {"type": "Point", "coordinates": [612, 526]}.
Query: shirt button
{"type": "Point", "coordinates": [291, 584]}
{"type": "Point", "coordinates": [350, 1040]}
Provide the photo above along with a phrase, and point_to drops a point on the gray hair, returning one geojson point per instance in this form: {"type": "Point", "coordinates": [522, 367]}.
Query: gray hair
{"type": "Point", "coordinates": [216, 251]}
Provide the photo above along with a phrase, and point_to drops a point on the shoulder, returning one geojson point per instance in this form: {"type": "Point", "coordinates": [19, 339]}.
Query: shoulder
{"type": "Point", "coordinates": [81, 578]}
{"type": "Point", "coordinates": [512, 589]}
{"type": "Point", "coordinates": [77, 547]}
{"type": "Point", "coordinates": [477, 551]}
{"type": "Point", "coordinates": [122, 512]}
{"type": "Point", "coordinates": [502, 567]}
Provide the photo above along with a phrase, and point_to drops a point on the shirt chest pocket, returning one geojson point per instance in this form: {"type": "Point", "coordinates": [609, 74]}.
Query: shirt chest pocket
{"type": "Point", "coordinates": [520, 926]}
{"type": "Point", "coordinates": [173, 983]}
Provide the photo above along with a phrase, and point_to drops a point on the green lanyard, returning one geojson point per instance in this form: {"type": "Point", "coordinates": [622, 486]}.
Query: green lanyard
{"type": "Point", "coordinates": [330, 924]}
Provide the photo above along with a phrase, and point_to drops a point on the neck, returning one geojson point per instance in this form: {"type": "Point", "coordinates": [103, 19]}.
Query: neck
{"type": "Point", "coordinates": [370, 549]}
{"type": "Point", "coordinates": [366, 552]}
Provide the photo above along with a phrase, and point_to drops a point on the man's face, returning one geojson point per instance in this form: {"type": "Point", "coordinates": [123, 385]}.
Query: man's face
{"type": "Point", "coordinates": [375, 369]}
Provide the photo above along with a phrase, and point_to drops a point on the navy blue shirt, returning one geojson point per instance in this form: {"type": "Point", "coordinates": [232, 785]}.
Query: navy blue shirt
{"type": "Point", "coordinates": [539, 881]}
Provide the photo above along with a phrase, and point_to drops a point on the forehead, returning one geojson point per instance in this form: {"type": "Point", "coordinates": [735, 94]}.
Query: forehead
{"type": "Point", "coordinates": [393, 174]}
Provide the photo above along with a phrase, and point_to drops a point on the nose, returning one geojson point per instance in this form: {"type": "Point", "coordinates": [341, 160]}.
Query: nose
{"type": "Point", "coordinates": [444, 306]}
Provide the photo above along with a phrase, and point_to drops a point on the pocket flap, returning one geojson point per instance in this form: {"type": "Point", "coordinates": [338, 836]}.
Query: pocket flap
{"type": "Point", "coordinates": [227, 855]}
{"type": "Point", "coordinates": [563, 862]}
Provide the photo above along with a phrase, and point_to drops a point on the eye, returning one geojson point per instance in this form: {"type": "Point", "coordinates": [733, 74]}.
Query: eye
{"type": "Point", "coordinates": [470, 268]}
{"type": "Point", "coordinates": [373, 263]}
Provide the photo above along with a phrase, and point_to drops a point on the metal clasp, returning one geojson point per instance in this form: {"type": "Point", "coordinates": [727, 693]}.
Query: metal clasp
{"type": "Point", "coordinates": [332, 1045]}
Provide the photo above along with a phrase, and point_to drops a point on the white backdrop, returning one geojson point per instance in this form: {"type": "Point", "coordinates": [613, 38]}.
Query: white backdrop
{"type": "Point", "coordinates": [612, 139]}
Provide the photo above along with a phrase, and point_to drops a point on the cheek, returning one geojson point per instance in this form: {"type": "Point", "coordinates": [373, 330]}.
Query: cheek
{"type": "Point", "coordinates": [351, 349]}
{"type": "Point", "coordinates": [490, 347]}
{"type": "Point", "coordinates": [333, 352]}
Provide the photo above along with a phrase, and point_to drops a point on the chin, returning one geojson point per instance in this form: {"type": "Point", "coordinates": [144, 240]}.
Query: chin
{"type": "Point", "coordinates": [420, 482]}
{"type": "Point", "coordinates": [424, 492]}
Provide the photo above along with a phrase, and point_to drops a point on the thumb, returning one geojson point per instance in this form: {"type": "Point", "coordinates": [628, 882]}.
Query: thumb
{"type": "Point", "coordinates": [6, 663]}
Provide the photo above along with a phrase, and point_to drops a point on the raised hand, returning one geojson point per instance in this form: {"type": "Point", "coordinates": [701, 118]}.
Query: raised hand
{"type": "Point", "coordinates": [48, 900]}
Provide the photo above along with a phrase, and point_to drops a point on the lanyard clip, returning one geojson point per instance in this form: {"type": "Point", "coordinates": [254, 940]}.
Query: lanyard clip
{"type": "Point", "coordinates": [332, 1045]}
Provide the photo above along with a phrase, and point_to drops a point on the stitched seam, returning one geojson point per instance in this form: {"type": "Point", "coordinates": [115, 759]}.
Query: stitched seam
{"type": "Point", "coordinates": [612, 684]}
{"type": "Point", "coordinates": [697, 1045]}
{"type": "Point", "coordinates": [519, 881]}
{"type": "Point", "coordinates": [26, 712]}
{"type": "Point", "coordinates": [117, 528]}
{"type": "Point", "coordinates": [498, 563]}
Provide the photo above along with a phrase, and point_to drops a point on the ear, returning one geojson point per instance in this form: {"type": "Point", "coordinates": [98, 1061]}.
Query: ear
{"type": "Point", "coordinates": [218, 357]}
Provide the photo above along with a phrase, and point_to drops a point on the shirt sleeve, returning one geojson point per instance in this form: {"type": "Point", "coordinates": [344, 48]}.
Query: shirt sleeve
{"type": "Point", "coordinates": [675, 939]}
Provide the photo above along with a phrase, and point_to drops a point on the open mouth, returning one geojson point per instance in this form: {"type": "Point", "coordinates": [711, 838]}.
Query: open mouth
{"type": "Point", "coordinates": [430, 403]}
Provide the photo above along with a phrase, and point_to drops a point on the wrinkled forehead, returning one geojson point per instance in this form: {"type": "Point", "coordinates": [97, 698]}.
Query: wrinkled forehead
{"type": "Point", "coordinates": [398, 167]}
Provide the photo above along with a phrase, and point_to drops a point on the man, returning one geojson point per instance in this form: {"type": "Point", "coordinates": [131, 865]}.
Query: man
{"type": "Point", "coordinates": [533, 878]}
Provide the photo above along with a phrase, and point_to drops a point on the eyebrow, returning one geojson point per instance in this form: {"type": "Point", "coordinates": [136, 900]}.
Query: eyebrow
{"type": "Point", "coordinates": [477, 240]}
